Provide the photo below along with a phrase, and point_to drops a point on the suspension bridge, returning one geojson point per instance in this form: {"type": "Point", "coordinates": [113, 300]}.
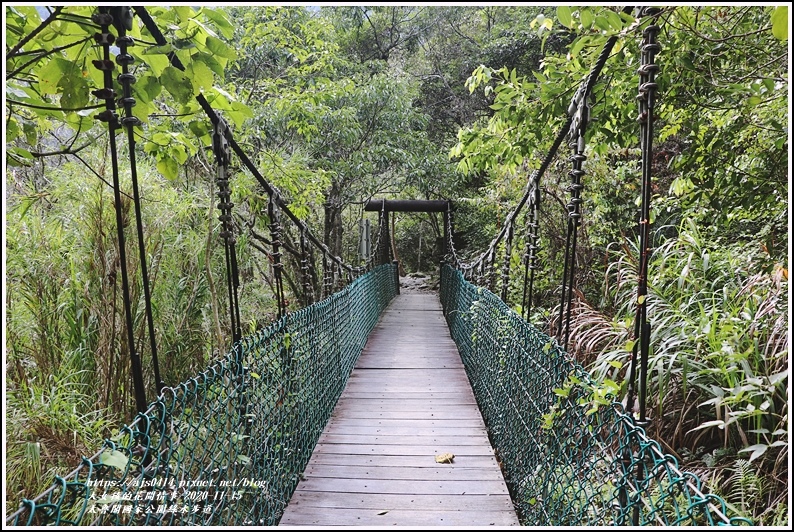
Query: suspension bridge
{"type": "Point", "coordinates": [370, 407]}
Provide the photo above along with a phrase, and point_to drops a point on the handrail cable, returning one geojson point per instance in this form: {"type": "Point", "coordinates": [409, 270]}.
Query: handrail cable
{"type": "Point", "coordinates": [154, 30]}
{"type": "Point", "coordinates": [584, 89]}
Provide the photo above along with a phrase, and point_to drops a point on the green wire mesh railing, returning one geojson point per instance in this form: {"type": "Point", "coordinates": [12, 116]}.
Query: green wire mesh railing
{"type": "Point", "coordinates": [571, 455]}
{"type": "Point", "coordinates": [228, 446]}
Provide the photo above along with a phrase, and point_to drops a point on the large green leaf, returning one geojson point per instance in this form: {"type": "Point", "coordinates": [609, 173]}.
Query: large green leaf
{"type": "Point", "coordinates": [50, 75]}
{"type": "Point", "coordinates": [614, 20]}
{"type": "Point", "coordinates": [157, 62]}
{"type": "Point", "coordinates": [184, 13]}
{"type": "Point", "coordinates": [564, 16]}
{"type": "Point", "coordinates": [221, 22]}
{"type": "Point", "coordinates": [150, 85]}
{"type": "Point", "coordinates": [179, 153]}
{"type": "Point", "coordinates": [210, 61]}
{"type": "Point", "coordinates": [220, 48]}
{"type": "Point", "coordinates": [780, 22]}
{"type": "Point", "coordinates": [12, 130]}
{"type": "Point", "coordinates": [200, 74]}
{"type": "Point", "coordinates": [587, 18]}
{"type": "Point", "coordinates": [199, 128]}
{"type": "Point", "coordinates": [115, 459]}
{"type": "Point", "coordinates": [75, 91]}
{"type": "Point", "coordinates": [168, 167]}
{"type": "Point", "coordinates": [602, 23]}
{"type": "Point", "coordinates": [178, 84]}
{"type": "Point", "coordinates": [239, 112]}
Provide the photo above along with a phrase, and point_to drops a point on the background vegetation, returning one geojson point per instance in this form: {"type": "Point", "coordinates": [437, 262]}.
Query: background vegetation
{"type": "Point", "coordinates": [342, 104]}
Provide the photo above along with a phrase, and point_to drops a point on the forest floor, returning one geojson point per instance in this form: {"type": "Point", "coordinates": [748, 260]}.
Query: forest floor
{"type": "Point", "coordinates": [419, 282]}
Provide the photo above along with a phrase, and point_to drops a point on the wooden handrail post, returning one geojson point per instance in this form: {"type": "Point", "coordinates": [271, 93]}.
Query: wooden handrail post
{"type": "Point", "coordinates": [396, 265]}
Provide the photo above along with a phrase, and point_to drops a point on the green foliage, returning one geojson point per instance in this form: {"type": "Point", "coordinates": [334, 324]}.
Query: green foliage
{"type": "Point", "coordinates": [194, 428]}
{"type": "Point", "coordinates": [342, 104]}
{"type": "Point", "coordinates": [50, 78]}
{"type": "Point", "coordinates": [569, 451]}
{"type": "Point", "coordinates": [719, 293]}
{"type": "Point", "coordinates": [722, 120]}
{"type": "Point", "coordinates": [501, 143]}
{"type": "Point", "coordinates": [780, 22]}
{"type": "Point", "coordinates": [64, 314]}
{"type": "Point", "coordinates": [718, 341]}
{"type": "Point", "coordinates": [51, 422]}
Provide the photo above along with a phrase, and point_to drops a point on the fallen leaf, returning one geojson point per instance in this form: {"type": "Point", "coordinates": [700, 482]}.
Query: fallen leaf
{"type": "Point", "coordinates": [445, 458]}
{"type": "Point", "coordinates": [384, 512]}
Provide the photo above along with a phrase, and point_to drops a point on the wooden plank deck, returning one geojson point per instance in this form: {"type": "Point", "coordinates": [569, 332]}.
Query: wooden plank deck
{"type": "Point", "coordinates": [407, 400]}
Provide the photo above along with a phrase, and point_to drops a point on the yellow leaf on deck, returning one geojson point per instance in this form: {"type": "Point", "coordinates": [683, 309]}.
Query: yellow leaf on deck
{"type": "Point", "coordinates": [445, 458]}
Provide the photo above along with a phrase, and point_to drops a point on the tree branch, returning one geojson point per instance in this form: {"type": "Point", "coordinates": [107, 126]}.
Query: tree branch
{"type": "Point", "coordinates": [44, 53]}
{"type": "Point", "coordinates": [46, 22]}
{"type": "Point", "coordinates": [725, 39]}
{"type": "Point", "coordinates": [46, 108]}
{"type": "Point", "coordinates": [65, 151]}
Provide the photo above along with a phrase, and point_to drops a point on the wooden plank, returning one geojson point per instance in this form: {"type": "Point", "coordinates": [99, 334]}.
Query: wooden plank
{"type": "Point", "coordinates": [407, 400]}
{"type": "Point", "coordinates": [401, 461]}
{"type": "Point", "coordinates": [398, 374]}
{"type": "Point", "coordinates": [410, 414]}
{"type": "Point", "coordinates": [395, 387]}
{"type": "Point", "coordinates": [431, 344]}
{"type": "Point", "coordinates": [394, 439]}
{"type": "Point", "coordinates": [394, 472]}
{"type": "Point", "coordinates": [458, 397]}
{"type": "Point", "coordinates": [400, 405]}
{"type": "Point", "coordinates": [417, 423]}
{"type": "Point", "coordinates": [427, 363]}
{"type": "Point", "coordinates": [440, 384]}
{"type": "Point", "coordinates": [433, 340]}
{"type": "Point", "coordinates": [411, 517]}
{"type": "Point", "coordinates": [408, 352]}
{"type": "Point", "coordinates": [406, 404]}
{"type": "Point", "coordinates": [403, 450]}
{"type": "Point", "coordinates": [406, 430]}
{"type": "Point", "coordinates": [380, 501]}
{"type": "Point", "coordinates": [402, 402]}
{"type": "Point", "coordinates": [396, 352]}
{"type": "Point", "coordinates": [447, 397]}
{"type": "Point", "coordinates": [404, 487]}
{"type": "Point", "coordinates": [389, 384]}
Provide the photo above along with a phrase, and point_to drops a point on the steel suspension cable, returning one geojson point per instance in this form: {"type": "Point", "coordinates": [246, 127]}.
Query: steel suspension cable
{"type": "Point", "coordinates": [123, 23]}
{"type": "Point", "coordinates": [530, 254]}
{"type": "Point", "coordinates": [220, 146]}
{"type": "Point", "coordinates": [306, 277]}
{"type": "Point", "coordinates": [275, 232]}
{"type": "Point", "coordinates": [159, 38]}
{"type": "Point", "coordinates": [505, 280]}
{"type": "Point", "coordinates": [646, 99]}
{"type": "Point", "coordinates": [104, 19]}
{"type": "Point", "coordinates": [584, 89]}
{"type": "Point", "coordinates": [581, 118]}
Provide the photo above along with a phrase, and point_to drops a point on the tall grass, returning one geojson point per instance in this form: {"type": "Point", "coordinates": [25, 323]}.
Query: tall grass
{"type": "Point", "coordinates": [718, 365]}
{"type": "Point", "coordinates": [50, 425]}
{"type": "Point", "coordinates": [68, 368]}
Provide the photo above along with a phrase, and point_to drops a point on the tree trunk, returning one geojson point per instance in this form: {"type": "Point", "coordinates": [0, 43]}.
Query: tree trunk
{"type": "Point", "coordinates": [394, 247]}
{"type": "Point", "coordinates": [332, 229]}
